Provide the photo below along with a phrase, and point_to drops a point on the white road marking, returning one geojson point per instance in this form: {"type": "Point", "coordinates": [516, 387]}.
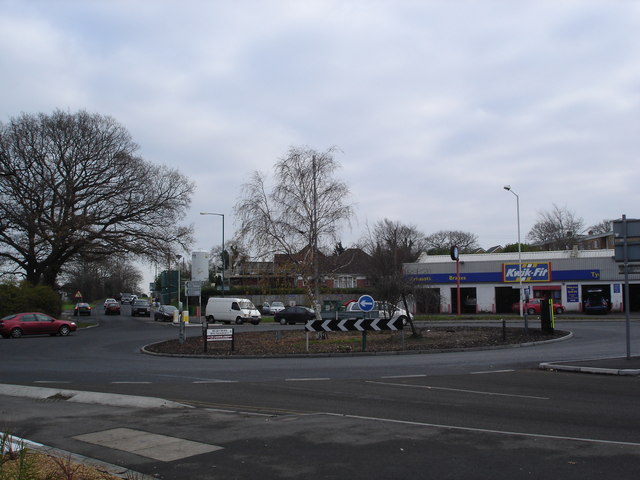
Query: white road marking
{"type": "Point", "coordinates": [404, 376]}
{"type": "Point", "coordinates": [216, 381]}
{"type": "Point", "coordinates": [130, 383]}
{"type": "Point", "coordinates": [485, 430]}
{"type": "Point", "coordinates": [476, 392]}
{"type": "Point", "coordinates": [51, 381]}
{"type": "Point", "coordinates": [305, 379]}
{"type": "Point", "coordinates": [492, 371]}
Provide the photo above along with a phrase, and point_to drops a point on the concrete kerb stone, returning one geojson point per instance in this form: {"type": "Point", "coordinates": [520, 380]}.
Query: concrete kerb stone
{"type": "Point", "coordinates": [145, 350]}
{"type": "Point", "coordinates": [586, 369]}
{"type": "Point", "coordinates": [44, 393]}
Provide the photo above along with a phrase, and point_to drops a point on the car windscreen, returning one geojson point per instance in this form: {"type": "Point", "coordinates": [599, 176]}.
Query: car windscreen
{"type": "Point", "coordinates": [247, 305]}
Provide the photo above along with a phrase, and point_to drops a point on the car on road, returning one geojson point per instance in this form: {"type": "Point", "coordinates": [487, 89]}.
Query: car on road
{"type": "Point", "coordinates": [126, 298]}
{"type": "Point", "coordinates": [141, 307]}
{"type": "Point", "coordinates": [595, 302]}
{"type": "Point", "coordinates": [34, 323]}
{"type": "Point", "coordinates": [109, 300]}
{"type": "Point", "coordinates": [164, 313]}
{"type": "Point", "coordinates": [382, 310]}
{"type": "Point", "coordinates": [276, 307]}
{"type": "Point", "coordinates": [112, 308]}
{"type": "Point", "coordinates": [231, 310]}
{"type": "Point", "coordinates": [532, 307]}
{"type": "Point", "coordinates": [294, 314]}
{"type": "Point", "coordinates": [82, 308]}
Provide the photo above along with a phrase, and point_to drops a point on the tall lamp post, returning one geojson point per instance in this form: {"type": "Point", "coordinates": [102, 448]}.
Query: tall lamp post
{"type": "Point", "coordinates": [508, 189]}
{"type": "Point", "coordinates": [223, 257]}
{"type": "Point", "coordinates": [178, 258]}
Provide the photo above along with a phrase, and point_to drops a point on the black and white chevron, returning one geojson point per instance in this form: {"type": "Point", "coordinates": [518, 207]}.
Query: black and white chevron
{"type": "Point", "coordinates": [353, 324]}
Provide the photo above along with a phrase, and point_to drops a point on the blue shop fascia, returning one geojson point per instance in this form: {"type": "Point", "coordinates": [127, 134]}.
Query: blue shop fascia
{"type": "Point", "coordinates": [489, 282]}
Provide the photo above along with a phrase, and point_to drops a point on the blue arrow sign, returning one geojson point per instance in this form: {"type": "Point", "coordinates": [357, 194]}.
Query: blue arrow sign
{"type": "Point", "coordinates": [366, 303]}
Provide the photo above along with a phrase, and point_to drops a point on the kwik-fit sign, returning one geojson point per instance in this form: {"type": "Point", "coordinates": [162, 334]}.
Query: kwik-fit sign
{"type": "Point", "coordinates": [531, 272]}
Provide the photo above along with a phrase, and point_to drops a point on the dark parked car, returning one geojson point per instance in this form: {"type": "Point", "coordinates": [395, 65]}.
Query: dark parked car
{"type": "Point", "coordinates": [164, 313]}
{"type": "Point", "coordinates": [141, 307]}
{"type": "Point", "coordinates": [112, 308]}
{"type": "Point", "coordinates": [595, 302]}
{"type": "Point", "coordinates": [82, 309]}
{"type": "Point", "coordinates": [293, 315]}
{"type": "Point", "coordinates": [34, 323]}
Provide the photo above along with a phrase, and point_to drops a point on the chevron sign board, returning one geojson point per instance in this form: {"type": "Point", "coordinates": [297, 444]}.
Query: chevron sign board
{"type": "Point", "coordinates": [353, 324]}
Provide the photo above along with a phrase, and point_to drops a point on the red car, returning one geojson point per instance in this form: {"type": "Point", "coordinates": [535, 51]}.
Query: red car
{"type": "Point", "coordinates": [111, 308]}
{"type": "Point", "coordinates": [34, 323]}
{"type": "Point", "coordinates": [533, 307]}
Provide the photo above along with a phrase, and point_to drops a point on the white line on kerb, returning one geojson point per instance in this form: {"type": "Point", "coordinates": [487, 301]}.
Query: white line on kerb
{"type": "Point", "coordinates": [484, 430]}
{"type": "Point", "coordinates": [476, 392]}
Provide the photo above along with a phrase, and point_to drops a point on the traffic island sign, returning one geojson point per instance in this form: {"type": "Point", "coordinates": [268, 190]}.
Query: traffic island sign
{"type": "Point", "coordinates": [219, 335]}
{"type": "Point", "coordinates": [354, 324]}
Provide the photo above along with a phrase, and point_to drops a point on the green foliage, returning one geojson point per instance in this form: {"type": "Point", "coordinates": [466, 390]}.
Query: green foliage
{"type": "Point", "coordinates": [21, 464]}
{"type": "Point", "coordinates": [24, 297]}
{"type": "Point", "coordinates": [524, 247]}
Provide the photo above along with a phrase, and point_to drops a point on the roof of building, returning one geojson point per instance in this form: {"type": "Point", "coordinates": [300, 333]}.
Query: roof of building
{"type": "Point", "coordinates": [525, 256]}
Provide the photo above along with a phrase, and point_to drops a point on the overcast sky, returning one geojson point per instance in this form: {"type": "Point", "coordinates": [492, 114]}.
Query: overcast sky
{"type": "Point", "coordinates": [434, 105]}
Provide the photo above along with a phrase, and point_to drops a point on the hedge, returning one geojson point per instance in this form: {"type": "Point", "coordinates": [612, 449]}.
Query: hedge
{"type": "Point", "coordinates": [24, 297]}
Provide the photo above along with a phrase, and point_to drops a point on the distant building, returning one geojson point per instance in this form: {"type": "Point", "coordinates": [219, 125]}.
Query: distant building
{"type": "Point", "coordinates": [350, 269]}
{"type": "Point", "coordinates": [489, 282]}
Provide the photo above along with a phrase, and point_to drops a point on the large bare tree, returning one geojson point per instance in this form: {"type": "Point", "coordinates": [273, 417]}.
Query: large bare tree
{"type": "Point", "coordinates": [391, 244]}
{"type": "Point", "coordinates": [72, 186]}
{"type": "Point", "coordinates": [300, 215]}
{"type": "Point", "coordinates": [442, 241]}
{"type": "Point", "coordinates": [557, 229]}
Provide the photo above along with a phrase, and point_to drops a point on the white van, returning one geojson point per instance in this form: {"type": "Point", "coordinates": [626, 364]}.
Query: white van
{"type": "Point", "coordinates": [229, 309]}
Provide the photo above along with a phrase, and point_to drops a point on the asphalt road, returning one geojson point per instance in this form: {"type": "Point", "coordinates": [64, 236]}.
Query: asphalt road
{"type": "Point", "coordinates": [477, 414]}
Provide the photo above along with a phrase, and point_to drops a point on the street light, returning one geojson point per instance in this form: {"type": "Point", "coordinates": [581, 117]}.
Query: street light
{"type": "Point", "coordinates": [508, 189]}
{"type": "Point", "coordinates": [223, 257]}
{"type": "Point", "coordinates": [178, 258]}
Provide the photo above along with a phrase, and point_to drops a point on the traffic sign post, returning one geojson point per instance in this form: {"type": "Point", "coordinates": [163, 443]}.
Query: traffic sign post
{"type": "Point", "coordinates": [359, 324]}
{"type": "Point", "coordinates": [627, 249]}
{"type": "Point", "coordinates": [218, 335]}
{"type": "Point", "coordinates": [366, 303]}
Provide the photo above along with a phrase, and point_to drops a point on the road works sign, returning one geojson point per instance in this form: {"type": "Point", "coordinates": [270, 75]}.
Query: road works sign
{"type": "Point", "coordinates": [354, 324]}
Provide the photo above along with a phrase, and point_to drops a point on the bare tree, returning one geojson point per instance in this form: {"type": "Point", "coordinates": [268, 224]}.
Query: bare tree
{"type": "Point", "coordinates": [557, 229]}
{"type": "Point", "coordinates": [390, 244]}
{"type": "Point", "coordinates": [300, 215]}
{"type": "Point", "coordinates": [71, 186]}
{"type": "Point", "coordinates": [605, 226]}
{"type": "Point", "coordinates": [101, 278]}
{"type": "Point", "coordinates": [440, 243]}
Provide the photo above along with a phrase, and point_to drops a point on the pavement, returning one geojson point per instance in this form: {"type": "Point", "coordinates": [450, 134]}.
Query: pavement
{"type": "Point", "coordinates": [604, 366]}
